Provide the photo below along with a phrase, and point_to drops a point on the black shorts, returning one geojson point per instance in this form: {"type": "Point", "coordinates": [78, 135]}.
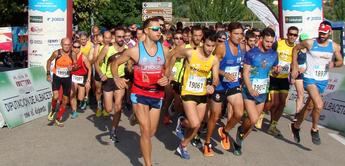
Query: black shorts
{"type": "Point", "coordinates": [300, 76]}
{"type": "Point", "coordinates": [279, 84]}
{"type": "Point", "coordinates": [221, 96]}
{"type": "Point", "coordinates": [109, 85]}
{"type": "Point", "coordinates": [66, 84]}
{"type": "Point", "coordinates": [197, 99]}
{"type": "Point", "coordinates": [97, 77]}
{"type": "Point", "coordinates": [177, 87]}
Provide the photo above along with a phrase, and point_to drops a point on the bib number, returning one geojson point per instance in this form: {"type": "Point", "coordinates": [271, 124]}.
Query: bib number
{"type": "Point", "coordinates": [320, 72]}
{"type": "Point", "coordinates": [233, 70]}
{"type": "Point", "coordinates": [196, 84]}
{"type": "Point", "coordinates": [78, 79]}
{"type": "Point", "coordinates": [62, 72]}
{"type": "Point", "coordinates": [285, 67]}
{"type": "Point", "coordinates": [260, 85]}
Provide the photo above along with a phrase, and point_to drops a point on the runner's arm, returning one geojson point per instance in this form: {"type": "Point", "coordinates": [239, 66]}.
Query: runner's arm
{"type": "Point", "coordinates": [338, 57]}
{"type": "Point", "coordinates": [124, 57]}
{"type": "Point", "coordinates": [215, 72]}
{"type": "Point", "coordinates": [50, 60]}
{"type": "Point", "coordinates": [88, 66]}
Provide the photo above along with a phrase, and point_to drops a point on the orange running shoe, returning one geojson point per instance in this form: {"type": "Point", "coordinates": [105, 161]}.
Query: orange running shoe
{"type": "Point", "coordinates": [225, 141]}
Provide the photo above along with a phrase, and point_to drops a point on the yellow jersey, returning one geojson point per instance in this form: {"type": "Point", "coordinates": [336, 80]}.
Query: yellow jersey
{"type": "Point", "coordinates": [195, 75]}
{"type": "Point", "coordinates": [285, 58]}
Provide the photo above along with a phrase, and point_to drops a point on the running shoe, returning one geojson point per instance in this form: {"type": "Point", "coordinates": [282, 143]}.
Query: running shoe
{"type": "Point", "coordinates": [237, 149]}
{"type": "Point", "coordinates": [179, 130]}
{"type": "Point", "coordinates": [83, 104]}
{"type": "Point", "coordinates": [208, 152]}
{"type": "Point", "coordinates": [51, 116]}
{"type": "Point", "coordinates": [224, 138]}
{"type": "Point", "coordinates": [295, 133]}
{"type": "Point", "coordinates": [258, 124]}
{"type": "Point", "coordinates": [98, 113]}
{"type": "Point", "coordinates": [315, 137]}
{"type": "Point", "coordinates": [274, 131]}
{"type": "Point", "coordinates": [59, 123]}
{"type": "Point", "coordinates": [114, 137]}
{"type": "Point", "coordinates": [183, 152]}
{"type": "Point", "coordinates": [105, 113]}
{"type": "Point", "coordinates": [74, 115]}
{"type": "Point", "coordinates": [239, 136]}
{"type": "Point", "coordinates": [196, 142]}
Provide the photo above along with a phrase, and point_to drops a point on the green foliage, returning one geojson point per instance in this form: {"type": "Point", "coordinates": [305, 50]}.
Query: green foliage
{"type": "Point", "coordinates": [217, 10]}
{"type": "Point", "coordinates": [13, 12]}
{"type": "Point", "coordinates": [339, 10]}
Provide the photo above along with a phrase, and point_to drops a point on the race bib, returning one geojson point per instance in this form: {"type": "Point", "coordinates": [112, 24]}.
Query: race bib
{"type": "Point", "coordinates": [260, 85]}
{"type": "Point", "coordinates": [78, 79]}
{"type": "Point", "coordinates": [233, 70]}
{"type": "Point", "coordinates": [62, 72]}
{"type": "Point", "coordinates": [320, 72]}
{"type": "Point", "coordinates": [196, 84]}
{"type": "Point", "coordinates": [285, 67]}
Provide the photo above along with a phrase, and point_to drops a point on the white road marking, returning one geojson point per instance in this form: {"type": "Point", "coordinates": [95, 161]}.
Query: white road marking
{"type": "Point", "coordinates": [337, 137]}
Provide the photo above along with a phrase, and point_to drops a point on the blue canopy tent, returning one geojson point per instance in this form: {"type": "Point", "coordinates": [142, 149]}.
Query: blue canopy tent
{"type": "Point", "coordinates": [340, 26]}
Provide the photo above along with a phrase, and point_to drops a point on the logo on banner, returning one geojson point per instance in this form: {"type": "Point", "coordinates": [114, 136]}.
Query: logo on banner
{"type": "Point", "coordinates": [55, 19]}
{"type": "Point", "coordinates": [314, 18]}
{"type": "Point", "coordinates": [53, 41]}
{"type": "Point", "coordinates": [36, 19]}
{"type": "Point", "coordinates": [36, 41]}
{"type": "Point", "coordinates": [293, 19]}
{"type": "Point", "coordinates": [36, 29]}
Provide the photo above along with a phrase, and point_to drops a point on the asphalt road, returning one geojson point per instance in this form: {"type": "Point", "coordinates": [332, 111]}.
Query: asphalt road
{"type": "Point", "coordinates": [85, 141]}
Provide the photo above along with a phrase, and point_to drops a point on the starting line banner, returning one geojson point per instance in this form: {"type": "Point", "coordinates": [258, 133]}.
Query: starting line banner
{"type": "Point", "coordinates": [333, 113]}
{"type": "Point", "coordinates": [25, 95]}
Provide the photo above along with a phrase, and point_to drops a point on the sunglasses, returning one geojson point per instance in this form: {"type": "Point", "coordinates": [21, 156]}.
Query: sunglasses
{"type": "Point", "coordinates": [293, 34]}
{"type": "Point", "coordinates": [76, 46]}
{"type": "Point", "coordinates": [155, 28]}
{"type": "Point", "coordinates": [119, 36]}
{"type": "Point", "coordinates": [178, 38]}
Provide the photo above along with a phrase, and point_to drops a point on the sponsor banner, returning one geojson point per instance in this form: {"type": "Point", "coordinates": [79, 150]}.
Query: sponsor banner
{"type": "Point", "coordinates": [47, 26]}
{"type": "Point", "coordinates": [304, 14]}
{"type": "Point", "coordinates": [25, 95]}
{"type": "Point", "coordinates": [6, 44]}
{"type": "Point", "coordinates": [333, 114]}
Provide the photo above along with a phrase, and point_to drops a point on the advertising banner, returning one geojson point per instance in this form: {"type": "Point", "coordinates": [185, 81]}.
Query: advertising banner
{"type": "Point", "coordinates": [333, 114]}
{"type": "Point", "coordinates": [47, 26]}
{"type": "Point", "coordinates": [6, 39]}
{"type": "Point", "coordinates": [25, 95]}
{"type": "Point", "coordinates": [304, 14]}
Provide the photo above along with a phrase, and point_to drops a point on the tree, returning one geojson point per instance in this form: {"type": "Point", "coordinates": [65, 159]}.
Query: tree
{"type": "Point", "coordinates": [13, 12]}
{"type": "Point", "coordinates": [217, 10]}
{"type": "Point", "coordinates": [339, 10]}
{"type": "Point", "coordinates": [86, 10]}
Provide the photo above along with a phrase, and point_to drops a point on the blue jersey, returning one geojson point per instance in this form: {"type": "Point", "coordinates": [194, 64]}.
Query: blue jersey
{"type": "Point", "coordinates": [261, 64]}
{"type": "Point", "coordinates": [230, 64]}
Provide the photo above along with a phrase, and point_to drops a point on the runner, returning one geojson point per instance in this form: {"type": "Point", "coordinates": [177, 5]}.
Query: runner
{"type": "Point", "coordinates": [110, 91]}
{"type": "Point", "coordinates": [199, 63]}
{"type": "Point", "coordinates": [322, 55]}
{"type": "Point", "coordinates": [250, 40]}
{"type": "Point", "coordinates": [301, 58]}
{"type": "Point", "coordinates": [230, 53]}
{"type": "Point", "coordinates": [258, 62]}
{"type": "Point", "coordinates": [80, 78]}
{"type": "Point", "coordinates": [175, 83]}
{"type": "Point", "coordinates": [61, 77]}
{"type": "Point", "coordinates": [97, 82]}
{"type": "Point", "coordinates": [85, 49]}
{"type": "Point", "coordinates": [149, 81]}
{"type": "Point", "coordinates": [279, 84]}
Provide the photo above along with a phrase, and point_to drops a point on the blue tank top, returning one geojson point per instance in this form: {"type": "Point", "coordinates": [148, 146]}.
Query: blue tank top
{"type": "Point", "coordinates": [230, 64]}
